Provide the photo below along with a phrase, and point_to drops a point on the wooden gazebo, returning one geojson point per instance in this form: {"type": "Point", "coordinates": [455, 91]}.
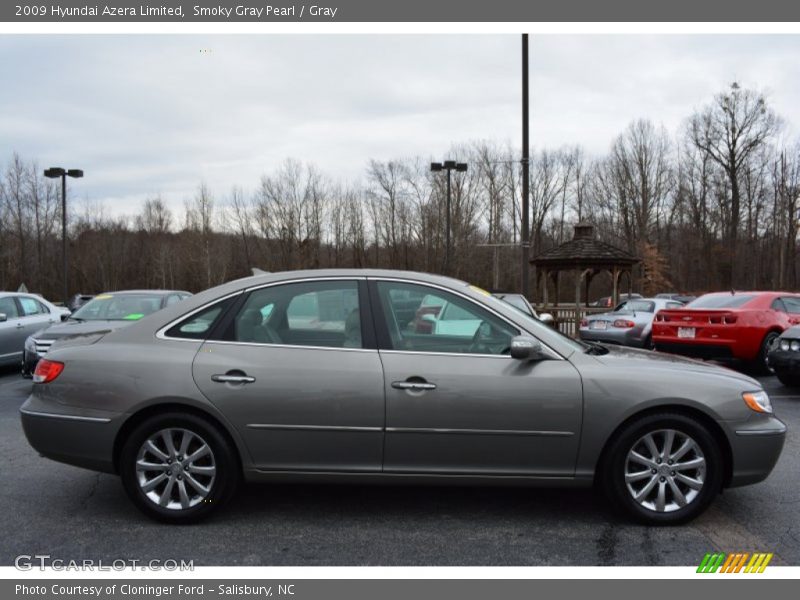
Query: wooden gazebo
{"type": "Point", "coordinates": [586, 257]}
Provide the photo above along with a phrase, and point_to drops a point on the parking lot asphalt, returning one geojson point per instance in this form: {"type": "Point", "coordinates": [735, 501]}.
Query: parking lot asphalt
{"type": "Point", "coordinates": [74, 514]}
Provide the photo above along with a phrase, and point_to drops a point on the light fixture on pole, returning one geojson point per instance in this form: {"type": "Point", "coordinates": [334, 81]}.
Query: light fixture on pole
{"type": "Point", "coordinates": [448, 165]}
{"type": "Point", "coordinates": [55, 173]}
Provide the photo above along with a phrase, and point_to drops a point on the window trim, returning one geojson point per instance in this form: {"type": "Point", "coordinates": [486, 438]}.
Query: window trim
{"type": "Point", "coordinates": [368, 334]}
{"type": "Point", "coordinates": [161, 334]}
{"type": "Point", "coordinates": [382, 333]}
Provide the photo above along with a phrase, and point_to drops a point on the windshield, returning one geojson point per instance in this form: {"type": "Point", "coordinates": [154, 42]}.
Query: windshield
{"type": "Point", "coordinates": [118, 307]}
{"type": "Point", "coordinates": [637, 306]}
{"type": "Point", "coordinates": [535, 325]}
{"type": "Point", "coordinates": [517, 302]}
{"type": "Point", "coordinates": [721, 301]}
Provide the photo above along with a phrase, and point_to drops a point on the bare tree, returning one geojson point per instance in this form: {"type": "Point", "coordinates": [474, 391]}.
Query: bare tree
{"type": "Point", "coordinates": [730, 130]}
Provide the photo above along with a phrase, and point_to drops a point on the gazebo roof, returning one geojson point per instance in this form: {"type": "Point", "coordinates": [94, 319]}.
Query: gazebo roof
{"type": "Point", "coordinates": [583, 250]}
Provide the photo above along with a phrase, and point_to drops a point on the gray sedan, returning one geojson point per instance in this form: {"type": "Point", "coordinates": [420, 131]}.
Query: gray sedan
{"type": "Point", "coordinates": [630, 324]}
{"type": "Point", "coordinates": [313, 376]}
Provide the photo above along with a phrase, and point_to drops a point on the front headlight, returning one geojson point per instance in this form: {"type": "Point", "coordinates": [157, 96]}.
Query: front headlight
{"type": "Point", "coordinates": [795, 345]}
{"type": "Point", "coordinates": [784, 345]}
{"type": "Point", "coordinates": [758, 401]}
{"type": "Point", "coordinates": [29, 345]}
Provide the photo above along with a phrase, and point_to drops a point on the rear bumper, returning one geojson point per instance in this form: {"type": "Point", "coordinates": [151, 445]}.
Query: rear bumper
{"type": "Point", "coordinates": [76, 439]}
{"type": "Point", "coordinates": [756, 448]}
{"type": "Point", "coordinates": [619, 336]}
{"type": "Point", "coordinates": [696, 349]}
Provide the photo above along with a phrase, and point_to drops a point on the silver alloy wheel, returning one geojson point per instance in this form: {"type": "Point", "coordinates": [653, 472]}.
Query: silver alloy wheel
{"type": "Point", "coordinates": [175, 468]}
{"type": "Point", "coordinates": [665, 470]}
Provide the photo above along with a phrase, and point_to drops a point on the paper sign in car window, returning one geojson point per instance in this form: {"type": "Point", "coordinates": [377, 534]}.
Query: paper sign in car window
{"type": "Point", "coordinates": [103, 297]}
{"type": "Point", "coordinates": [475, 288]}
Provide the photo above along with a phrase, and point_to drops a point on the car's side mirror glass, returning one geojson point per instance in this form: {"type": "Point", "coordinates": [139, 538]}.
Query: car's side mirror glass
{"type": "Point", "coordinates": [64, 316]}
{"type": "Point", "coordinates": [526, 348]}
{"type": "Point", "coordinates": [3, 317]}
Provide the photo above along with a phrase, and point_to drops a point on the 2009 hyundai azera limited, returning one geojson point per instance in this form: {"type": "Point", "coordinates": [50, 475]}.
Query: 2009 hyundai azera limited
{"type": "Point", "coordinates": [322, 375]}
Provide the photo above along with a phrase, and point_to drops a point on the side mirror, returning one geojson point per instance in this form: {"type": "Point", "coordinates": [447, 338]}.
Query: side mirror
{"type": "Point", "coordinates": [526, 348]}
{"type": "Point", "coordinates": [547, 319]}
{"type": "Point", "coordinates": [3, 318]}
{"type": "Point", "coordinates": [64, 316]}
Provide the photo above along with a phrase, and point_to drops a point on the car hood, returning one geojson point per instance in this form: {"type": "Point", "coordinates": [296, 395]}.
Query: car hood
{"type": "Point", "coordinates": [792, 332]}
{"type": "Point", "coordinates": [625, 357]}
{"type": "Point", "coordinates": [74, 328]}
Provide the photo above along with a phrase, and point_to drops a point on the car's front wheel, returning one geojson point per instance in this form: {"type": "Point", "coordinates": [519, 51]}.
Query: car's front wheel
{"type": "Point", "coordinates": [664, 468]}
{"type": "Point", "coordinates": [178, 468]}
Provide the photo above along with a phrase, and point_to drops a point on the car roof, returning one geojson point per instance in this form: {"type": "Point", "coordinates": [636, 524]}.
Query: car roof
{"type": "Point", "coordinates": [140, 292]}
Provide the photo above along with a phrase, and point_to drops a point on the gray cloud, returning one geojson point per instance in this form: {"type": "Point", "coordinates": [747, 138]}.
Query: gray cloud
{"type": "Point", "coordinates": [153, 114]}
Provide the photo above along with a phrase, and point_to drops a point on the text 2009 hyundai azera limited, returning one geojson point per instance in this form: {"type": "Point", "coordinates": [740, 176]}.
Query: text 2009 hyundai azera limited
{"type": "Point", "coordinates": [320, 375]}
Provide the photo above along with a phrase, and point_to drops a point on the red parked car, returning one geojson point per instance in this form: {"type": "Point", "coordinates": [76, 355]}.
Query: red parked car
{"type": "Point", "coordinates": [739, 326]}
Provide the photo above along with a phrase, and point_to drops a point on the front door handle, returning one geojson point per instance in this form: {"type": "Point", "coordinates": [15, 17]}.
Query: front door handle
{"type": "Point", "coordinates": [416, 386]}
{"type": "Point", "coordinates": [232, 378]}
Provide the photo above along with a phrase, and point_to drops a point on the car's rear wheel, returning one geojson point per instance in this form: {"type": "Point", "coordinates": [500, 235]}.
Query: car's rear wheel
{"type": "Point", "coordinates": [761, 364]}
{"type": "Point", "coordinates": [788, 379]}
{"type": "Point", "coordinates": [664, 468]}
{"type": "Point", "coordinates": [178, 468]}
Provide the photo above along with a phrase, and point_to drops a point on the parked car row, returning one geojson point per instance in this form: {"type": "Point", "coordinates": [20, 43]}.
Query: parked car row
{"type": "Point", "coordinates": [751, 328]}
{"type": "Point", "coordinates": [29, 324]}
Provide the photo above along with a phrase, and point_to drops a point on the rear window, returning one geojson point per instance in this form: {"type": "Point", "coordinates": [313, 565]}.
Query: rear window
{"type": "Point", "coordinates": [721, 301]}
{"type": "Point", "coordinates": [637, 306]}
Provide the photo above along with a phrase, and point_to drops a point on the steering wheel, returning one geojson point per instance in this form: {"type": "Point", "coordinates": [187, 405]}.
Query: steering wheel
{"type": "Point", "coordinates": [477, 345]}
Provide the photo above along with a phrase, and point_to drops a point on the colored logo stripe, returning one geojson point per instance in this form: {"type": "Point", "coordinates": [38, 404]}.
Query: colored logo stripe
{"type": "Point", "coordinates": [734, 563]}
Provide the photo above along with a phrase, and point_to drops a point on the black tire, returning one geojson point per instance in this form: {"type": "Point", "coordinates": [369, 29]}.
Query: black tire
{"type": "Point", "coordinates": [760, 366]}
{"type": "Point", "coordinates": [612, 469]}
{"type": "Point", "coordinates": [223, 458]}
{"type": "Point", "coordinates": [788, 379]}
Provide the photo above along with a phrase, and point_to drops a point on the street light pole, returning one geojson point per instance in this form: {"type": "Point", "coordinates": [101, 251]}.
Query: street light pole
{"type": "Point", "coordinates": [448, 165]}
{"type": "Point", "coordinates": [525, 172]}
{"type": "Point", "coordinates": [55, 173]}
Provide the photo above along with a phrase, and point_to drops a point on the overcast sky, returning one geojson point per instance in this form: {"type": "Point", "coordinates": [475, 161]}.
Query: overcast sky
{"type": "Point", "coordinates": [149, 114]}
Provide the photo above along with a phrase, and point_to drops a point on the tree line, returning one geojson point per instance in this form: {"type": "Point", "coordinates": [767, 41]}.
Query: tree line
{"type": "Point", "coordinates": [714, 205]}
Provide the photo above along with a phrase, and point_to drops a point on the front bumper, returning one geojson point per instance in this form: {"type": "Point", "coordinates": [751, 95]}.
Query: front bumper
{"type": "Point", "coordinates": [29, 362]}
{"type": "Point", "coordinates": [756, 447]}
{"type": "Point", "coordinates": [79, 437]}
{"type": "Point", "coordinates": [787, 361]}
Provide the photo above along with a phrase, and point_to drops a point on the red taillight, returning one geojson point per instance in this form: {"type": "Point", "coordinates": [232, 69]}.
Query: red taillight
{"type": "Point", "coordinates": [584, 323]}
{"type": "Point", "coordinates": [624, 323]}
{"type": "Point", "coordinates": [47, 370]}
{"type": "Point", "coordinates": [729, 320]}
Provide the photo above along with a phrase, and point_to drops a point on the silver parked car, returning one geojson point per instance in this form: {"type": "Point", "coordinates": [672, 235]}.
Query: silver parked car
{"type": "Point", "coordinates": [104, 312]}
{"type": "Point", "coordinates": [629, 324]}
{"type": "Point", "coordinates": [21, 315]}
{"type": "Point", "coordinates": [316, 376]}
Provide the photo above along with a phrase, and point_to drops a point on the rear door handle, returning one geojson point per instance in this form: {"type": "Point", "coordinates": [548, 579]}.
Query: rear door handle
{"type": "Point", "coordinates": [232, 378]}
{"type": "Point", "coordinates": [413, 385]}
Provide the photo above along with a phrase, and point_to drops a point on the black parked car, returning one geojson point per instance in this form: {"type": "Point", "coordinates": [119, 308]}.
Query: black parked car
{"type": "Point", "coordinates": [784, 358]}
{"type": "Point", "coordinates": [105, 312]}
